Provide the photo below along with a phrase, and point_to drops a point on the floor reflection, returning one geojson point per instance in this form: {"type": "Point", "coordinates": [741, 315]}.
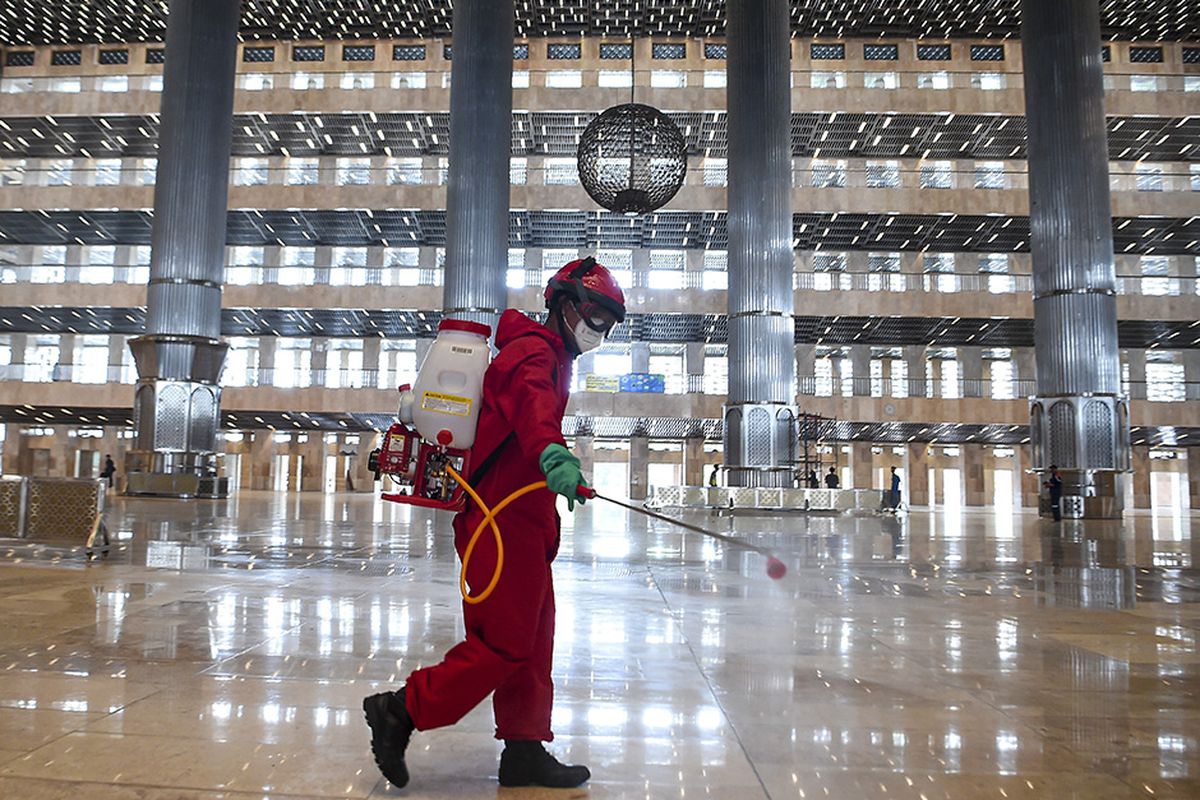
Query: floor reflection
{"type": "Point", "coordinates": [222, 649]}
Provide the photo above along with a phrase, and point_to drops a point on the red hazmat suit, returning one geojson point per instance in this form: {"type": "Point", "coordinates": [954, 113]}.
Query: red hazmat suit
{"type": "Point", "coordinates": [510, 636]}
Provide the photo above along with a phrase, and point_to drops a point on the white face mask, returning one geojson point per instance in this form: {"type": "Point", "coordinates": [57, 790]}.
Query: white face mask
{"type": "Point", "coordinates": [585, 338]}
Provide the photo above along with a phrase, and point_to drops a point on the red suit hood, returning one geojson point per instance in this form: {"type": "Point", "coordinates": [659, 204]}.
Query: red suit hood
{"type": "Point", "coordinates": [513, 325]}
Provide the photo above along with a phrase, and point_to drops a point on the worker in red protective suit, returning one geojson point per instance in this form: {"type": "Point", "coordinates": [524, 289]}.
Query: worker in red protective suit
{"type": "Point", "coordinates": [510, 636]}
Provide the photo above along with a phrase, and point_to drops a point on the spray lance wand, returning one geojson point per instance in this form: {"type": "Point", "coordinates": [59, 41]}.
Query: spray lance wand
{"type": "Point", "coordinates": [775, 568]}
{"type": "Point", "coordinates": [427, 451]}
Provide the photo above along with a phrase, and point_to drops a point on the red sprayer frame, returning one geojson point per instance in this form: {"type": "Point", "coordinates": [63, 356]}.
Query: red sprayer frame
{"type": "Point", "coordinates": [413, 462]}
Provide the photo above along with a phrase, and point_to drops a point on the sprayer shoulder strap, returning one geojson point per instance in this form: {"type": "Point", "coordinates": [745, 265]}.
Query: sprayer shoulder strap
{"type": "Point", "coordinates": [494, 456]}
{"type": "Point", "coordinates": [491, 460]}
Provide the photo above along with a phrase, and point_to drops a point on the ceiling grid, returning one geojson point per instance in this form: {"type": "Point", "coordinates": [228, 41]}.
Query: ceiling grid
{"type": "Point", "coordinates": [24, 22]}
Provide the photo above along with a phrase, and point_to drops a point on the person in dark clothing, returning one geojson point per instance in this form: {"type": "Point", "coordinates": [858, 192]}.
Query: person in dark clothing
{"type": "Point", "coordinates": [110, 469]}
{"type": "Point", "coordinates": [1054, 484]}
{"type": "Point", "coordinates": [712, 479]}
{"type": "Point", "coordinates": [895, 492]}
{"type": "Point", "coordinates": [831, 479]}
{"type": "Point", "coordinates": [813, 481]}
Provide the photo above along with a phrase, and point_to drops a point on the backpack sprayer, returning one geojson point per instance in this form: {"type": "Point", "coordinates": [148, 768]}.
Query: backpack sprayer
{"type": "Point", "coordinates": [437, 419]}
{"type": "Point", "coordinates": [428, 450]}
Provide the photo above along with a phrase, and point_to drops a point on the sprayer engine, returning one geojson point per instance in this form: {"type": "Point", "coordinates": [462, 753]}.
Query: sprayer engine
{"type": "Point", "coordinates": [420, 467]}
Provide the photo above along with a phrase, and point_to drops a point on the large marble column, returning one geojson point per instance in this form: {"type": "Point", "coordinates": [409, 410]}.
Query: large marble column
{"type": "Point", "coordinates": [585, 451]}
{"type": "Point", "coordinates": [1079, 420]}
{"type": "Point", "coordinates": [693, 367]}
{"type": "Point", "coordinates": [1142, 467]}
{"type": "Point", "coordinates": [179, 360]}
{"type": "Point", "coordinates": [639, 467]}
{"type": "Point", "coordinates": [862, 466]}
{"type": "Point", "coordinates": [1193, 478]}
{"type": "Point", "coordinates": [477, 194]}
{"type": "Point", "coordinates": [918, 367]}
{"type": "Point", "coordinates": [1031, 485]}
{"type": "Point", "coordinates": [759, 414]}
{"type": "Point", "coordinates": [916, 474]}
{"type": "Point", "coordinates": [693, 461]}
{"type": "Point", "coordinates": [974, 480]}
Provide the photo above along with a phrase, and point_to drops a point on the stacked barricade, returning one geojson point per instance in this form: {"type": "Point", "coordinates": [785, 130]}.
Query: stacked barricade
{"type": "Point", "coordinates": [766, 499]}
{"type": "Point", "coordinates": [57, 510]}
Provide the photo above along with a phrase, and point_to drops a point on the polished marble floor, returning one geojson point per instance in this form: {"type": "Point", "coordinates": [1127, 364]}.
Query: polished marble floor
{"type": "Point", "coordinates": [222, 648]}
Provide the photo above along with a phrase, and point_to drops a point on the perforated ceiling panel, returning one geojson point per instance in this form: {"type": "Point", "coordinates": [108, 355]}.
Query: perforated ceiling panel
{"type": "Point", "coordinates": [556, 133]}
{"type": "Point", "coordinates": [951, 233]}
{"type": "Point", "coordinates": [43, 21]}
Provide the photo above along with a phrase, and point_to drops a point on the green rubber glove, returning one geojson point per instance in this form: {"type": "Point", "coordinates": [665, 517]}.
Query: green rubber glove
{"type": "Point", "coordinates": [563, 476]}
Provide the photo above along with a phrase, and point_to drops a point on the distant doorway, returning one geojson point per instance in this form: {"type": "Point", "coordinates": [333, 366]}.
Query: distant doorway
{"type": "Point", "coordinates": [231, 469]}
{"type": "Point", "coordinates": [279, 474]}
{"type": "Point", "coordinates": [87, 463]}
{"type": "Point", "coordinates": [331, 474]}
{"type": "Point", "coordinates": [952, 487]}
{"type": "Point", "coordinates": [1002, 490]}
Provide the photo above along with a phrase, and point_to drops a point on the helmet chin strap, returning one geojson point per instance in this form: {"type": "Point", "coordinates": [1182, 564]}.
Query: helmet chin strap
{"type": "Point", "coordinates": [568, 336]}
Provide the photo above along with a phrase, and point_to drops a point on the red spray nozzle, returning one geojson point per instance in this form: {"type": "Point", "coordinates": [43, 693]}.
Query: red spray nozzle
{"type": "Point", "coordinates": [776, 569]}
{"type": "Point", "coordinates": [586, 492]}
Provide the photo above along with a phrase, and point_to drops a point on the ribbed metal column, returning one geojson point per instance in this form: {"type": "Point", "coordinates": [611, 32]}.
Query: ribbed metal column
{"type": "Point", "coordinates": [1079, 420]}
{"type": "Point", "coordinates": [759, 414]}
{"type": "Point", "coordinates": [477, 198]}
{"type": "Point", "coordinates": [179, 360]}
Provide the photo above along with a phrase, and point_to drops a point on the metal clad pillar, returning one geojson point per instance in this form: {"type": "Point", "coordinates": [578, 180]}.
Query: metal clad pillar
{"type": "Point", "coordinates": [1079, 420]}
{"type": "Point", "coordinates": [477, 197]}
{"type": "Point", "coordinates": [759, 413]}
{"type": "Point", "coordinates": [179, 360]}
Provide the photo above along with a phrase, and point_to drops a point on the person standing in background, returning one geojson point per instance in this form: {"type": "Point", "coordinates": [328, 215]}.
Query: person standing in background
{"type": "Point", "coordinates": [831, 479]}
{"type": "Point", "coordinates": [110, 469]}
{"type": "Point", "coordinates": [1054, 484]}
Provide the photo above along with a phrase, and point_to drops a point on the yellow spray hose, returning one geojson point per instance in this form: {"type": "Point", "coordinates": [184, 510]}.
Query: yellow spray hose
{"type": "Point", "coordinates": [488, 519]}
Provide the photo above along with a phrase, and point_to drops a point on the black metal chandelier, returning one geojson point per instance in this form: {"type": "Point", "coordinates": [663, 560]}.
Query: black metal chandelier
{"type": "Point", "coordinates": [632, 158]}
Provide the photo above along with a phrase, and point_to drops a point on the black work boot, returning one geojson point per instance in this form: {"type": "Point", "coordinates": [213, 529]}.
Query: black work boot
{"type": "Point", "coordinates": [528, 764]}
{"type": "Point", "coordinates": [391, 728]}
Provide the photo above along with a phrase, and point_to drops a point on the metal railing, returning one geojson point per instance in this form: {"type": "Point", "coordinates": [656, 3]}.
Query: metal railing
{"type": "Point", "coordinates": [17, 172]}
{"type": "Point", "coordinates": [573, 74]}
{"type": "Point", "coordinates": [807, 386]}
{"type": "Point", "coordinates": [976, 388]}
{"type": "Point", "coordinates": [979, 283]}
{"type": "Point", "coordinates": [346, 275]}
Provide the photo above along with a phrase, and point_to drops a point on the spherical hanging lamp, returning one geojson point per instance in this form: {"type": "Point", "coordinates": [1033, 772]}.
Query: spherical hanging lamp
{"type": "Point", "coordinates": [632, 159]}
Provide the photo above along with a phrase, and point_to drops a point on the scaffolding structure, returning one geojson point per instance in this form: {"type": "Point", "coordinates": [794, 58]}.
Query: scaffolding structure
{"type": "Point", "coordinates": [814, 434]}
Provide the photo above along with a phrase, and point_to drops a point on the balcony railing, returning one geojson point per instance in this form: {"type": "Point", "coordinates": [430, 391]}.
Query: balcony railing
{"type": "Point", "coordinates": [808, 386]}
{"type": "Point", "coordinates": [382, 171]}
{"type": "Point", "coordinates": [352, 275]}
{"type": "Point", "coordinates": [977, 388]}
{"type": "Point", "coordinates": [576, 74]}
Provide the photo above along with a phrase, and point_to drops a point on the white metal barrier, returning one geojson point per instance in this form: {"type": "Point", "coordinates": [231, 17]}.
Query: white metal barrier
{"type": "Point", "coordinates": [67, 510]}
{"type": "Point", "coordinates": [828, 500]}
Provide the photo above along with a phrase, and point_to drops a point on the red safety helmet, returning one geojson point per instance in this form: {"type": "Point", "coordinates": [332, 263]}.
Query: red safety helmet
{"type": "Point", "coordinates": [587, 282]}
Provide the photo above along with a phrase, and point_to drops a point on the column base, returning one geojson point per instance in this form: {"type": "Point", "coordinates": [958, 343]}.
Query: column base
{"type": "Point", "coordinates": [760, 445]}
{"type": "Point", "coordinates": [1088, 495]}
{"type": "Point", "coordinates": [179, 475]}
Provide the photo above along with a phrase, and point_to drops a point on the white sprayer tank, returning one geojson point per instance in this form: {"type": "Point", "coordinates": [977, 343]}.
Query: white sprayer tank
{"type": "Point", "coordinates": [449, 387]}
